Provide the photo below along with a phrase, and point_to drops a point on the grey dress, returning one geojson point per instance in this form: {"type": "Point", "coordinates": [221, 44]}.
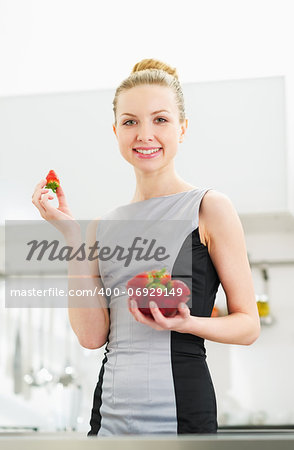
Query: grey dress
{"type": "Point", "coordinates": [155, 381]}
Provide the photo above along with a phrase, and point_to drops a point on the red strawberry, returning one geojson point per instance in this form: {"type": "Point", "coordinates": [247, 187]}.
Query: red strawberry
{"type": "Point", "coordinates": [159, 284]}
{"type": "Point", "coordinates": [179, 292]}
{"type": "Point", "coordinates": [143, 305]}
{"type": "Point", "coordinates": [161, 275]}
{"type": "Point", "coordinates": [140, 280]}
{"type": "Point", "coordinates": [135, 288]}
{"type": "Point", "coordinates": [180, 288]}
{"type": "Point", "coordinates": [158, 294]}
{"type": "Point", "coordinates": [169, 307]}
{"type": "Point", "coordinates": [52, 181]}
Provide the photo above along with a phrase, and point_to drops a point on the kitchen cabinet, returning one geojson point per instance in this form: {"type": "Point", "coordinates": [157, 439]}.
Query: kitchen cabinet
{"type": "Point", "coordinates": [237, 142]}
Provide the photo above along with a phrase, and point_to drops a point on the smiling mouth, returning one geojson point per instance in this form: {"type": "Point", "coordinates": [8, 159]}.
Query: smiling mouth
{"type": "Point", "coordinates": [147, 152]}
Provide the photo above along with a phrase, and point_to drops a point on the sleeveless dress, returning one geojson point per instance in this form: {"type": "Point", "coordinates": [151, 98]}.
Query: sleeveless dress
{"type": "Point", "coordinates": [155, 381]}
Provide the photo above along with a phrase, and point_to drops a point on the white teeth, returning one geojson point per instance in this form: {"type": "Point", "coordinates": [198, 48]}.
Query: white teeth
{"type": "Point", "coordinates": [148, 152]}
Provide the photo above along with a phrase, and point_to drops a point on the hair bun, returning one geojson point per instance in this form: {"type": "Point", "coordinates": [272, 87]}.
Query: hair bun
{"type": "Point", "coordinates": [155, 64]}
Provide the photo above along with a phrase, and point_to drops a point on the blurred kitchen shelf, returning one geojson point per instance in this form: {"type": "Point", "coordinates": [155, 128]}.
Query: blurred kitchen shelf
{"type": "Point", "coordinates": [268, 222]}
{"type": "Point", "coordinates": [286, 428]}
{"type": "Point", "coordinates": [8, 430]}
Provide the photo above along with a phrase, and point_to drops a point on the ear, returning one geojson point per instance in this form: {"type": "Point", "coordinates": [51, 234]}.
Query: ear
{"type": "Point", "coordinates": [114, 129]}
{"type": "Point", "coordinates": [184, 127]}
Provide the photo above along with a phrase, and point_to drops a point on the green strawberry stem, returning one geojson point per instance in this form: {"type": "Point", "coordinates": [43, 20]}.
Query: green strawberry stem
{"type": "Point", "coordinates": [158, 285]}
{"type": "Point", "coordinates": [161, 272]}
{"type": "Point", "coordinates": [157, 275]}
{"type": "Point", "coordinates": [156, 280]}
{"type": "Point", "coordinates": [52, 185]}
{"type": "Point", "coordinates": [169, 286]}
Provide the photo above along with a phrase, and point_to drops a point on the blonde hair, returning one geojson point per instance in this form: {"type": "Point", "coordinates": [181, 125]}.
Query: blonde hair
{"type": "Point", "coordinates": [153, 71]}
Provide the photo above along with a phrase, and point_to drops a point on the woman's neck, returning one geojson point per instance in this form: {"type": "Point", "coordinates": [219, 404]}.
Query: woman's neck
{"type": "Point", "coordinates": [144, 193]}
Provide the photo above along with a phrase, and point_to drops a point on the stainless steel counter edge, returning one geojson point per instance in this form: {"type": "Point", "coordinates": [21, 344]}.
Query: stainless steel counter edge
{"type": "Point", "coordinates": [78, 441]}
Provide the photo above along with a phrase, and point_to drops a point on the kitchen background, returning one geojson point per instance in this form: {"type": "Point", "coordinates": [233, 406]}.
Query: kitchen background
{"type": "Point", "coordinates": [239, 141]}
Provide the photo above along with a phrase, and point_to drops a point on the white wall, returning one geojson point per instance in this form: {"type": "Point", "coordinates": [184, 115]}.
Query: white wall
{"type": "Point", "coordinates": [49, 46]}
{"type": "Point", "coordinates": [235, 143]}
{"type": "Point", "coordinates": [73, 45]}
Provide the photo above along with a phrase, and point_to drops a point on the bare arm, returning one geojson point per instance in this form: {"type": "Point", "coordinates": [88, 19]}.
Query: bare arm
{"type": "Point", "coordinates": [221, 230]}
{"type": "Point", "coordinates": [91, 322]}
{"type": "Point", "coordinates": [227, 249]}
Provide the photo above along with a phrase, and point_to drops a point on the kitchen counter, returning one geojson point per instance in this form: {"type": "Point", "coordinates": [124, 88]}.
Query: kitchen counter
{"type": "Point", "coordinates": [261, 439]}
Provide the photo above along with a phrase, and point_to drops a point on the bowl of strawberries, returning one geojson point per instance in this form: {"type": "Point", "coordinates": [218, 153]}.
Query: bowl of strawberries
{"type": "Point", "coordinates": [158, 286]}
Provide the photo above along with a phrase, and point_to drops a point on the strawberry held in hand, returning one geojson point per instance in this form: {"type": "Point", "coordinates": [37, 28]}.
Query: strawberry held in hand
{"type": "Point", "coordinates": [162, 275]}
{"type": "Point", "coordinates": [140, 280]}
{"type": "Point", "coordinates": [52, 181]}
{"type": "Point", "coordinates": [158, 286]}
{"type": "Point", "coordinates": [136, 285]}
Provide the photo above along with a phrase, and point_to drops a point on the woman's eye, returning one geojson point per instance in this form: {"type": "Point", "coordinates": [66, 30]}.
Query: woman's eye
{"type": "Point", "coordinates": [159, 118]}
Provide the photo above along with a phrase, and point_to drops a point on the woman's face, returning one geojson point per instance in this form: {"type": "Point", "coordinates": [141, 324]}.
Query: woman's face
{"type": "Point", "coordinates": [148, 117]}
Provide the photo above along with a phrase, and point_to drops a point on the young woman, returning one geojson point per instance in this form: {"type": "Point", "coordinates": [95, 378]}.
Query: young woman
{"type": "Point", "coordinates": [154, 377]}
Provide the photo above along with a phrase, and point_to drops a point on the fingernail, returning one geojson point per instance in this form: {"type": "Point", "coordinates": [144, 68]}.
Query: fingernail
{"type": "Point", "coordinates": [133, 304]}
{"type": "Point", "coordinates": [152, 304]}
{"type": "Point", "coordinates": [183, 305]}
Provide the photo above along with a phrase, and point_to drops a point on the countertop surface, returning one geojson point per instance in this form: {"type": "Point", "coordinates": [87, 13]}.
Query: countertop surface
{"type": "Point", "coordinates": [224, 440]}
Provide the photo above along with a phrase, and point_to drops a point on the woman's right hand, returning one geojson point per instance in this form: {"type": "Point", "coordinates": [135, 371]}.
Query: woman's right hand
{"type": "Point", "coordinates": [60, 217]}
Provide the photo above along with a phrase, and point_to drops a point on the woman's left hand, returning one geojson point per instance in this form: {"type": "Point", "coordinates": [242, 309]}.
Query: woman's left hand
{"type": "Point", "coordinates": [179, 323]}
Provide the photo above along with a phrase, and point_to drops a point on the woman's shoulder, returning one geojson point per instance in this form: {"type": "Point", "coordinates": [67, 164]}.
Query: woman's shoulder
{"type": "Point", "coordinates": [216, 210]}
{"type": "Point", "coordinates": [213, 198]}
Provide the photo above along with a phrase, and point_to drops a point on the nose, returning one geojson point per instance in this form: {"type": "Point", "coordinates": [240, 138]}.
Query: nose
{"type": "Point", "coordinates": [145, 132]}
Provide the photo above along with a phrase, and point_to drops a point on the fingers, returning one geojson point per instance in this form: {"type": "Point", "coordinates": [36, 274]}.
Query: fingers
{"type": "Point", "coordinates": [44, 201]}
{"type": "Point", "coordinates": [40, 185]}
{"type": "Point", "coordinates": [184, 310]}
{"type": "Point", "coordinates": [139, 317]}
{"type": "Point", "coordinates": [62, 203]}
{"type": "Point", "coordinates": [37, 196]}
{"type": "Point", "coordinates": [131, 306]}
{"type": "Point", "coordinates": [159, 321]}
{"type": "Point", "coordinates": [158, 316]}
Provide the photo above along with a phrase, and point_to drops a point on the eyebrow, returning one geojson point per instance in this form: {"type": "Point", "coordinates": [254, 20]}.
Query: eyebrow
{"type": "Point", "coordinates": [155, 112]}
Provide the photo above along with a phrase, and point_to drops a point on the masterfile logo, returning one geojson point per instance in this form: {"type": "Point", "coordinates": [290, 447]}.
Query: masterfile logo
{"type": "Point", "coordinates": [40, 263]}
